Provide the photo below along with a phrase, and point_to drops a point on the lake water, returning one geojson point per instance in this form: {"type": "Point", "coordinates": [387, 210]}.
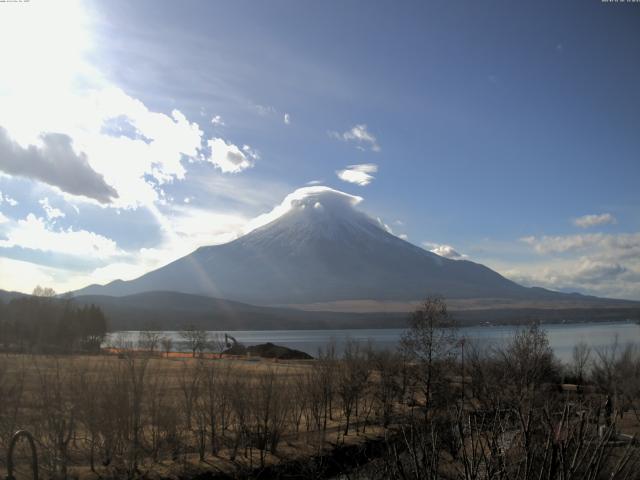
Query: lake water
{"type": "Point", "coordinates": [562, 337]}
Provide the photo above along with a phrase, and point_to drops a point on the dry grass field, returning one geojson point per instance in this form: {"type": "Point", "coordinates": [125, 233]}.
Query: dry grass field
{"type": "Point", "coordinates": [125, 415]}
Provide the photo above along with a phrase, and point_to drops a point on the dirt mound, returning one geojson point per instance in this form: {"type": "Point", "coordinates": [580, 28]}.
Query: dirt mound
{"type": "Point", "coordinates": [268, 350]}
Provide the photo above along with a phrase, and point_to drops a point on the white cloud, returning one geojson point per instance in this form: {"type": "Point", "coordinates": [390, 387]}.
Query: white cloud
{"type": "Point", "coordinates": [593, 276]}
{"type": "Point", "coordinates": [251, 152]}
{"type": "Point", "coordinates": [360, 135]}
{"type": "Point", "coordinates": [7, 199]}
{"type": "Point", "coordinates": [302, 198]}
{"type": "Point", "coordinates": [54, 60]}
{"type": "Point", "coordinates": [443, 250]}
{"type": "Point", "coordinates": [3, 218]}
{"type": "Point", "coordinates": [587, 221]}
{"type": "Point", "coordinates": [24, 275]}
{"type": "Point", "coordinates": [623, 245]}
{"type": "Point", "coordinates": [53, 161]}
{"type": "Point", "coordinates": [51, 212]}
{"type": "Point", "coordinates": [34, 233]}
{"type": "Point", "coordinates": [122, 144]}
{"type": "Point", "coordinates": [188, 228]}
{"type": "Point", "coordinates": [597, 263]}
{"type": "Point", "coordinates": [185, 229]}
{"type": "Point", "coordinates": [131, 150]}
{"type": "Point", "coordinates": [264, 110]}
{"type": "Point", "coordinates": [217, 121]}
{"type": "Point", "coordinates": [388, 229]}
{"type": "Point", "coordinates": [156, 150]}
{"type": "Point", "coordinates": [287, 119]}
{"type": "Point", "coordinates": [229, 158]}
{"type": "Point", "coordinates": [358, 174]}
{"type": "Point", "coordinates": [194, 227]}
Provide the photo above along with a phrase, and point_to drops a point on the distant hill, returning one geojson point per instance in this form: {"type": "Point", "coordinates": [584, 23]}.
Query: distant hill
{"type": "Point", "coordinates": [173, 311]}
{"type": "Point", "coordinates": [6, 296]}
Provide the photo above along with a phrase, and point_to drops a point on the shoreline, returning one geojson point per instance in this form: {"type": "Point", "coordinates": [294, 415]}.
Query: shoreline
{"type": "Point", "coordinates": [360, 327]}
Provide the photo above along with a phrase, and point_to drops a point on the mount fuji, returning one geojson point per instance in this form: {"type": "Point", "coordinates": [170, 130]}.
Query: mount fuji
{"type": "Point", "coordinates": [322, 248]}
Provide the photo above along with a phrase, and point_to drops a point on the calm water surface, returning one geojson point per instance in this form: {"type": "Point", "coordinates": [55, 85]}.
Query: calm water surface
{"type": "Point", "coordinates": [562, 337]}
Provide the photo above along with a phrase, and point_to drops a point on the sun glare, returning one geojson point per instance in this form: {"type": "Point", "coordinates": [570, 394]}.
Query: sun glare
{"type": "Point", "coordinates": [43, 47]}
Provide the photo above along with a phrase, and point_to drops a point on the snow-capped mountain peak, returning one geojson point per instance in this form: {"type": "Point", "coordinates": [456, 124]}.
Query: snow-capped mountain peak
{"type": "Point", "coordinates": [318, 246]}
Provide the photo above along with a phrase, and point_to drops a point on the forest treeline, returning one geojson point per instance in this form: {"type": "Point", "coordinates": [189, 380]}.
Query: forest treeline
{"type": "Point", "coordinates": [43, 323]}
{"type": "Point", "coordinates": [441, 407]}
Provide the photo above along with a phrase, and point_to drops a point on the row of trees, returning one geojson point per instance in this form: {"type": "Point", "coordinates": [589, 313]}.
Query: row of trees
{"type": "Point", "coordinates": [44, 323]}
{"type": "Point", "coordinates": [155, 342]}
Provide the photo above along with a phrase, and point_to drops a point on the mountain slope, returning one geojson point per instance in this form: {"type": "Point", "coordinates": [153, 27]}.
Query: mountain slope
{"type": "Point", "coordinates": [322, 249]}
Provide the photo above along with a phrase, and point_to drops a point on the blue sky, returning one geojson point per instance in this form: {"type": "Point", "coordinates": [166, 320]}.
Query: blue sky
{"type": "Point", "coordinates": [133, 132]}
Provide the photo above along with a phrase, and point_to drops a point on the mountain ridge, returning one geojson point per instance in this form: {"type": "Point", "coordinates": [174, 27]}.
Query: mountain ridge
{"type": "Point", "coordinates": [175, 311]}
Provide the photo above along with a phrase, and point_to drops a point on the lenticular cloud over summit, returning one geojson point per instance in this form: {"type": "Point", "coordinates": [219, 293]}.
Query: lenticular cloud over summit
{"type": "Point", "coordinates": [316, 196]}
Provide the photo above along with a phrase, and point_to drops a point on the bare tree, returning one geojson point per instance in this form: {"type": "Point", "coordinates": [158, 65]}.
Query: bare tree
{"type": "Point", "coordinates": [121, 342]}
{"type": "Point", "coordinates": [149, 340]}
{"type": "Point", "coordinates": [616, 370]}
{"type": "Point", "coordinates": [57, 416]}
{"type": "Point", "coordinates": [352, 379]}
{"type": "Point", "coordinates": [12, 382]}
{"type": "Point", "coordinates": [211, 382]}
{"type": "Point", "coordinates": [196, 339]}
{"type": "Point", "coordinates": [316, 398]}
{"type": "Point", "coordinates": [268, 412]}
{"type": "Point", "coordinates": [167, 345]}
{"type": "Point", "coordinates": [189, 383]}
{"type": "Point", "coordinates": [580, 359]}
{"type": "Point", "coordinates": [156, 406]}
{"type": "Point", "coordinates": [241, 404]}
{"type": "Point", "coordinates": [134, 377]}
{"type": "Point", "coordinates": [528, 361]}
{"type": "Point", "coordinates": [86, 393]}
{"type": "Point", "coordinates": [298, 389]}
{"type": "Point", "coordinates": [325, 374]}
{"type": "Point", "coordinates": [430, 341]}
{"type": "Point", "coordinates": [46, 292]}
{"type": "Point", "coordinates": [387, 389]}
{"type": "Point", "coordinates": [216, 343]}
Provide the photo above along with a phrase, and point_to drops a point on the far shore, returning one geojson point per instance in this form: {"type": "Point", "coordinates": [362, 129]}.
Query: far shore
{"type": "Point", "coordinates": [458, 324]}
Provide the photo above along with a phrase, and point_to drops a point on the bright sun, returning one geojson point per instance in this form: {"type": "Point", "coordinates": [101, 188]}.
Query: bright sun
{"type": "Point", "coordinates": [42, 47]}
